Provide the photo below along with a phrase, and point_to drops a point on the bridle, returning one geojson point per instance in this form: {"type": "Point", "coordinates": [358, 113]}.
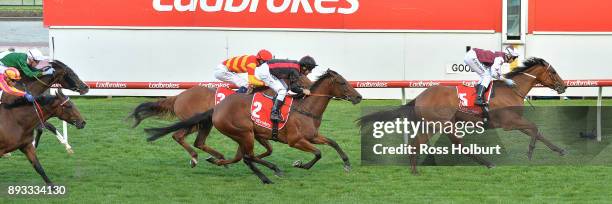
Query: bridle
{"type": "Point", "coordinates": [557, 85]}
{"type": "Point", "coordinates": [39, 111]}
{"type": "Point", "coordinates": [320, 117]}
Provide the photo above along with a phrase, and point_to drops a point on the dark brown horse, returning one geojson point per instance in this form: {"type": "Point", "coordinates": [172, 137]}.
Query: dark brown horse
{"type": "Point", "coordinates": [65, 77]}
{"type": "Point", "coordinates": [19, 119]}
{"type": "Point", "coordinates": [440, 103]}
{"type": "Point", "coordinates": [231, 117]}
{"type": "Point", "coordinates": [185, 105]}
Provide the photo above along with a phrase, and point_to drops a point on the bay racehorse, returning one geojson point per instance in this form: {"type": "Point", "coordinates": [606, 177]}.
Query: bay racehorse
{"type": "Point", "coordinates": [18, 121]}
{"type": "Point", "coordinates": [231, 118]}
{"type": "Point", "coordinates": [188, 103]}
{"type": "Point", "coordinates": [440, 103]}
{"type": "Point", "coordinates": [66, 78]}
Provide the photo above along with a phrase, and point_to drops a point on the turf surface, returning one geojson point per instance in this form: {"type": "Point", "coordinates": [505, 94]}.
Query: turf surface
{"type": "Point", "coordinates": [114, 163]}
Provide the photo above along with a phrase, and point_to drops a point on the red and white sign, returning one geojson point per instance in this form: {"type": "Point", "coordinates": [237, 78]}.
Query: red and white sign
{"type": "Point", "coordinates": [303, 14]}
{"type": "Point", "coordinates": [570, 16]}
{"type": "Point", "coordinates": [356, 84]}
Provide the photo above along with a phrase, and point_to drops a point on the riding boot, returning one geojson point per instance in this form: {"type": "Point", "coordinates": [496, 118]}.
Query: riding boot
{"type": "Point", "coordinates": [275, 115]}
{"type": "Point", "coordinates": [480, 90]}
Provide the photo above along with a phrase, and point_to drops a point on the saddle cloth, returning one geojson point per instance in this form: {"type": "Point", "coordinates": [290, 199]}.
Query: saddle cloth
{"type": "Point", "coordinates": [261, 107]}
{"type": "Point", "coordinates": [467, 97]}
{"type": "Point", "coordinates": [221, 93]}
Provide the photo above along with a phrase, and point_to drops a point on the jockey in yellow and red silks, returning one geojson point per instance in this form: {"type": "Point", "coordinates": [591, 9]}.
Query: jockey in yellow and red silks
{"type": "Point", "coordinates": [228, 70]}
{"type": "Point", "coordinates": [7, 84]}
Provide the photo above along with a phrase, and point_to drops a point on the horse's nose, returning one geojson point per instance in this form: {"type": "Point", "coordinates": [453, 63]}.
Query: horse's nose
{"type": "Point", "coordinates": [80, 124]}
{"type": "Point", "coordinates": [357, 99]}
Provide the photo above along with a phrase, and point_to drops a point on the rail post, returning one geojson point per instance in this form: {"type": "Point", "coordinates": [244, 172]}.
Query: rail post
{"type": "Point", "coordinates": [403, 96]}
{"type": "Point", "coordinates": [599, 103]}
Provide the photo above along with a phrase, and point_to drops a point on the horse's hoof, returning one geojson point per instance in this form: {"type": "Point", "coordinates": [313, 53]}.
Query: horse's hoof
{"type": "Point", "coordinates": [297, 163]}
{"type": "Point", "coordinates": [347, 168]}
{"type": "Point", "coordinates": [490, 166]}
{"type": "Point", "coordinates": [193, 162]}
{"type": "Point", "coordinates": [6, 155]}
{"type": "Point", "coordinates": [279, 173]}
{"type": "Point", "coordinates": [563, 152]}
{"type": "Point", "coordinates": [70, 151]}
{"type": "Point", "coordinates": [530, 156]}
{"type": "Point", "coordinates": [210, 159]}
{"type": "Point", "coordinates": [267, 182]}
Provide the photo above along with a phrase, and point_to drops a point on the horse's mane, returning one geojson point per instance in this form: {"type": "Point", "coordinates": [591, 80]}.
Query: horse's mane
{"type": "Point", "coordinates": [527, 64]}
{"type": "Point", "coordinates": [321, 78]}
{"type": "Point", "coordinates": [42, 100]}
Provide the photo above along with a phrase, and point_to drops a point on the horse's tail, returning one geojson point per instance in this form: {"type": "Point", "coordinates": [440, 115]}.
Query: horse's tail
{"type": "Point", "coordinates": [404, 111]}
{"type": "Point", "coordinates": [203, 121]}
{"type": "Point", "coordinates": [161, 108]}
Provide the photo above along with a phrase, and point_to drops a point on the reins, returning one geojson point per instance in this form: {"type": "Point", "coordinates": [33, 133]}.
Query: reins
{"type": "Point", "coordinates": [516, 91]}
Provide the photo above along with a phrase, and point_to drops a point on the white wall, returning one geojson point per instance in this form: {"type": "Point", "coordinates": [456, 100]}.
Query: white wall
{"type": "Point", "coordinates": [190, 55]}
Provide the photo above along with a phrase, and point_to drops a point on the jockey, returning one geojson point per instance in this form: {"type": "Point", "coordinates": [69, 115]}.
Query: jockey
{"type": "Point", "coordinates": [273, 73]}
{"type": "Point", "coordinates": [25, 63]}
{"type": "Point", "coordinates": [7, 84]}
{"type": "Point", "coordinates": [488, 64]}
{"type": "Point", "coordinates": [229, 69]}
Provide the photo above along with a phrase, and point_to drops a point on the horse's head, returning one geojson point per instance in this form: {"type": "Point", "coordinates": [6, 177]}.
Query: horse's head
{"type": "Point", "coordinates": [337, 86]}
{"type": "Point", "coordinates": [65, 110]}
{"type": "Point", "coordinates": [66, 77]}
{"type": "Point", "coordinates": [543, 72]}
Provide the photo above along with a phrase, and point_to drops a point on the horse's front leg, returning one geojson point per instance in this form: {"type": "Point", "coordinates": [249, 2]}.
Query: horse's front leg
{"type": "Point", "coordinates": [305, 145]}
{"type": "Point", "coordinates": [320, 139]}
{"type": "Point", "coordinates": [531, 130]}
{"type": "Point", "coordinates": [266, 144]}
{"type": "Point", "coordinates": [30, 152]}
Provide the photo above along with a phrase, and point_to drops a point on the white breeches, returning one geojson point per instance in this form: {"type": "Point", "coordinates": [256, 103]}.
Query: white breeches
{"type": "Point", "coordinates": [222, 73]}
{"type": "Point", "coordinates": [484, 72]}
{"type": "Point", "coordinates": [279, 86]}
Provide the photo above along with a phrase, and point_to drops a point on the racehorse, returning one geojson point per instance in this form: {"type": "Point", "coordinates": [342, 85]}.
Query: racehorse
{"type": "Point", "coordinates": [440, 103]}
{"type": "Point", "coordinates": [66, 78]}
{"type": "Point", "coordinates": [18, 121]}
{"type": "Point", "coordinates": [231, 117]}
{"type": "Point", "coordinates": [194, 100]}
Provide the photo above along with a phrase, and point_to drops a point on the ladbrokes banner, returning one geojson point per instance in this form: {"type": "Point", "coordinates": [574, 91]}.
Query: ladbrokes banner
{"type": "Point", "coordinates": [307, 14]}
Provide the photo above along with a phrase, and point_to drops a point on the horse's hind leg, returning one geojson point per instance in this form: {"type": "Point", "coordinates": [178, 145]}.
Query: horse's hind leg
{"type": "Point", "coordinates": [179, 137]}
{"type": "Point", "coordinates": [257, 172]}
{"type": "Point", "coordinates": [266, 144]}
{"type": "Point", "coordinates": [30, 152]}
{"type": "Point", "coordinates": [200, 143]}
{"type": "Point", "coordinates": [475, 157]}
{"type": "Point", "coordinates": [320, 139]}
{"type": "Point", "coordinates": [246, 142]}
{"type": "Point", "coordinates": [420, 139]}
{"type": "Point", "coordinates": [224, 162]}
{"type": "Point", "coordinates": [306, 146]}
